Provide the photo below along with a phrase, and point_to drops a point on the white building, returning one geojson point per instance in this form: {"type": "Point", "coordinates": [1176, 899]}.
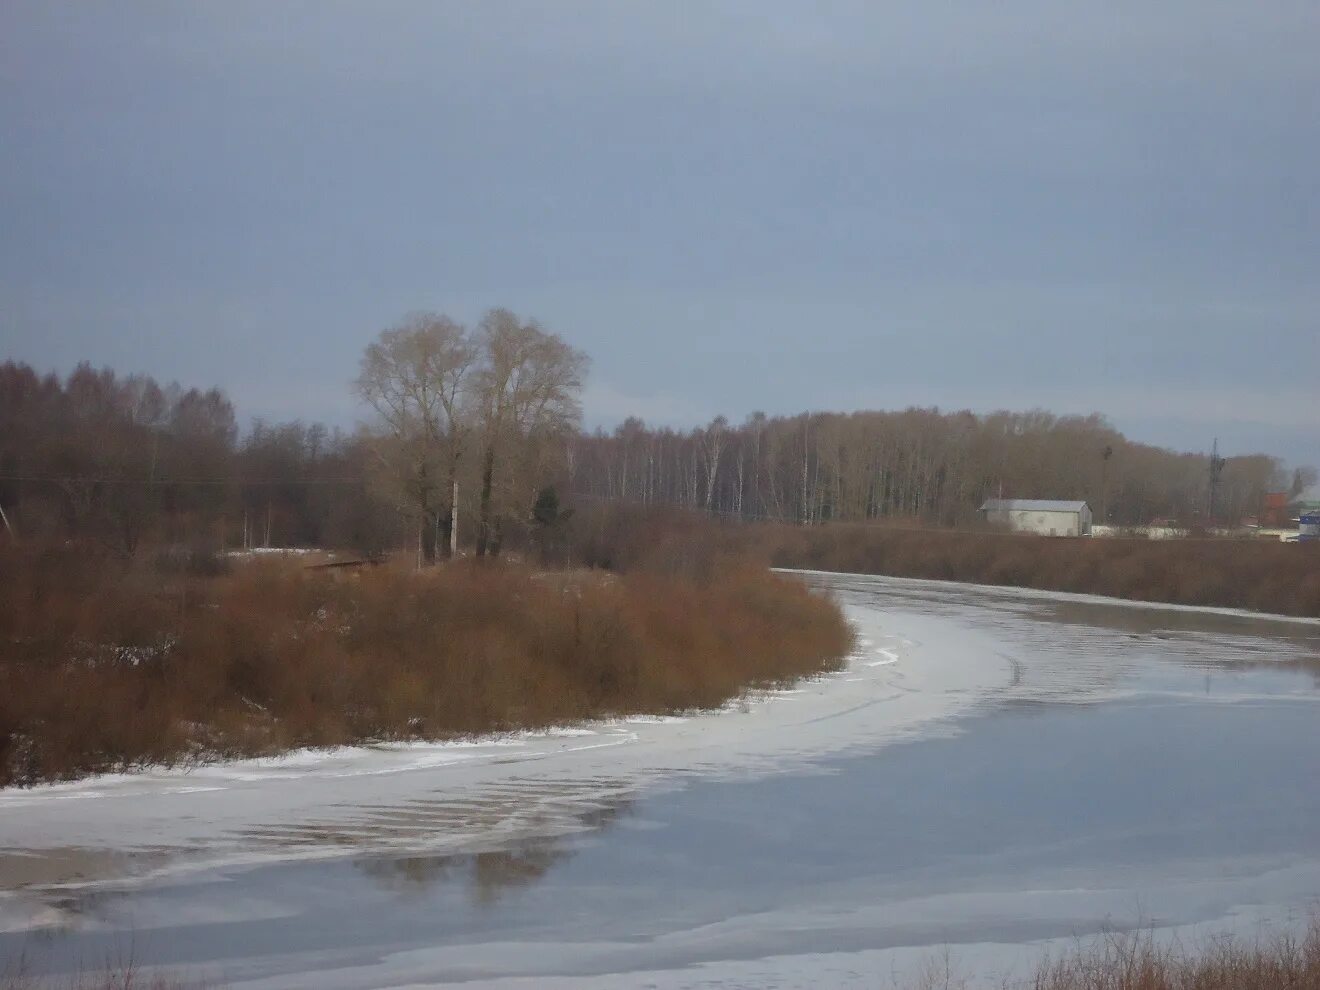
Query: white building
{"type": "Point", "coordinates": [1043, 516]}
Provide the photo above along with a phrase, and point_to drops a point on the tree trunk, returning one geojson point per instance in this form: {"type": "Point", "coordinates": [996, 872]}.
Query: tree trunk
{"type": "Point", "coordinates": [452, 526]}
{"type": "Point", "coordinates": [446, 543]}
{"type": "Point", "coordinates": [485, 531]}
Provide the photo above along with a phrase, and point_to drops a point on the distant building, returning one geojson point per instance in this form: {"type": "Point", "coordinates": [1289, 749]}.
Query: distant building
{"type": "Point", "coordinates": [1043, 516]}
{"type": "Point", "coordinates": [1306, 503]}
{"type": "Point", "coordinates": [1275, 513]}
{"type": "Point", "coordinates": [1308, 527]}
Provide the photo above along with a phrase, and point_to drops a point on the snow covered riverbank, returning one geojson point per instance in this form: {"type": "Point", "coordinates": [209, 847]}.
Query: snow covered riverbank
{"type": "Point", "coordinates": [914, 799]}
{"type": "Point", "coordinates": [905, 677]}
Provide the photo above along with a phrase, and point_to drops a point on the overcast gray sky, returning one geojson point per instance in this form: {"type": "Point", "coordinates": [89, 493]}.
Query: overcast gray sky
{"type": "Point", "coordinates": [730, 206]}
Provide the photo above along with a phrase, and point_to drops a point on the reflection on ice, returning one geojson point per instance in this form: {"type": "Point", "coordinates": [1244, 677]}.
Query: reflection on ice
{"type": "Point", "coordinates": [486, 875]}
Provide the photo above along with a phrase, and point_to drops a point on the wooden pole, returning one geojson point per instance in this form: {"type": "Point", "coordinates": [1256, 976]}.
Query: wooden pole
{"type": "Point", "coordinates": [453, 522]}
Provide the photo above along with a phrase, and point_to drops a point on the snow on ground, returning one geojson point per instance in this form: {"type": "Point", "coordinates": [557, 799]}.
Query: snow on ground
{"type": "Point", "coordinates": [913, 673]}
{"type": "Point", "coordinates": [907, 676]}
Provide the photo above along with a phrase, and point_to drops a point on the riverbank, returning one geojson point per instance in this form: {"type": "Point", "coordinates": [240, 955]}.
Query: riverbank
{"type": "Point", "coordinates": [1261, 576]}
{"type": "Point", "coordinates": [111, 668]}
{"type": "Point", "coordinates": [836, 833]}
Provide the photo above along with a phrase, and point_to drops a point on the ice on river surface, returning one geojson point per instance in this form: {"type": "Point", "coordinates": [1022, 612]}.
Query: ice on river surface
{"type": "Point", "coordinates": [993, 768]}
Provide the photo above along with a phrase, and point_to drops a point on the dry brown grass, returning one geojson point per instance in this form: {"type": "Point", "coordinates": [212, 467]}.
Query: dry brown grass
{"type": "Point", "coordinates": [113, 979]}
{"type": "Point", "coordinates": [1140, 962]}
{"type": "Point", "coordinates": [107, 668]}
{"type": "Point", "coordinates": [107, 980]}
{"type": "Point", "coordinates": [115, 974]}
{"type": "Point", "coordinates": [1261, 575]}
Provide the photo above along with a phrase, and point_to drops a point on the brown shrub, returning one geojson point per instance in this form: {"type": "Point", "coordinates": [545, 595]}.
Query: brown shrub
{"type": "Point", "coordinates": [1138, 962]}
{"type": "Point", "coordinates": [623, 538]}
{"type": "Point", "coordinates": [107, 667]}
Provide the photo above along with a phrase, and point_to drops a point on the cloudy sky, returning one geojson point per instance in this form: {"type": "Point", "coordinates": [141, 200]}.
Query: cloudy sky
{"type": "Point", "coordinates": [729, 205]}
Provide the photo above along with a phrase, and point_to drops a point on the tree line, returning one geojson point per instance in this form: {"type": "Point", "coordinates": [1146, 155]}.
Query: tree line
{"type": "Point", "coordinates": [923, 465]}
{"type": "Point", "coordinates": [474, 438]}
{"type": "Point", "coordinates": [479, 417]}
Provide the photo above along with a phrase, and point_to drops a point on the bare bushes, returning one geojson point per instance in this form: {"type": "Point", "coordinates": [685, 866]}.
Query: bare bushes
{"type": "Point", "coordinates": [663, 540]}
{"type": "Point", "coordinates": [1261, 575]}
{"type": "Point", "coordinates": [109, 979]}
{"type": "Point", "coordinates": [120, 971]}
{"type": "Point", "coordinates": [106, 667]}
{"type": "Point", "coordinates": [1139, 962]}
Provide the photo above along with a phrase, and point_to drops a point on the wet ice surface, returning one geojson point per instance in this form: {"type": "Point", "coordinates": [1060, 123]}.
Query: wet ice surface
{"type": "Point", "coordinates": [994, 768]}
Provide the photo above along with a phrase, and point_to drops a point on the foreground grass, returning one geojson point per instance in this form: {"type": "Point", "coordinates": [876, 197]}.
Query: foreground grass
{"type": "Point", "coordinates": [1262, 575]}
{"type": "Point", "coordinates": [125, 973]}
{"type": "Point", "coordinates": [106, 667]}
{"type": "Point", "coordinates": [112, 979]}
{"type": "Point", "coordinates": [1138, 961]}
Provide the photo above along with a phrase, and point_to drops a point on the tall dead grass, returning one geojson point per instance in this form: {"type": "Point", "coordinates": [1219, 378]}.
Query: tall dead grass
{"type": "Point", "coordinates": [1137, 961]}
{"type": "Point", "coordinates": [124, 973]}
{"type": "Point", "coordinates": [106, 668]}
{"type": "Point", "coordinates": [1262, 575]}
{"type": "Point", "coordinates": [1141, 961]}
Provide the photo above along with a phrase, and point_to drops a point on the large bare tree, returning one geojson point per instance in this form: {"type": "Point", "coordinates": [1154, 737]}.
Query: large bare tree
{"type": "Point", "coordinates": [417, 377]}
{"type": "Point", "coordinates": [527, 399]}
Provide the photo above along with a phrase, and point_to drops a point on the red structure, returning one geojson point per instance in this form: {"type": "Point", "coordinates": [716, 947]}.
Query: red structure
{"type": "Point", "coordinates": [1274, 512]}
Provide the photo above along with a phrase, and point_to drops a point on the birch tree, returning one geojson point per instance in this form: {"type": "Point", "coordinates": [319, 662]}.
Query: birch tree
{"type": "Point", "coordinates": [711, 445]}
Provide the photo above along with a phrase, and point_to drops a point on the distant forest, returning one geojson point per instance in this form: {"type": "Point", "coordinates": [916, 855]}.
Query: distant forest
{"type": "Point", "coordinates": [129, 462]}
{"type": "Point", "coordinates": [919, 464]}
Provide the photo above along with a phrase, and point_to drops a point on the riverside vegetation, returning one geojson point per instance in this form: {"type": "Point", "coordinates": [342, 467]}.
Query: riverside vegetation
{"type": "Point", "coordinates": [1138, 961]}
{"type": "Point", "coordinates": [1262, 575]}
{"type": "Point", "coordinates": [127, 640]}
{"type": "Point", "coordinates": [111, 664]}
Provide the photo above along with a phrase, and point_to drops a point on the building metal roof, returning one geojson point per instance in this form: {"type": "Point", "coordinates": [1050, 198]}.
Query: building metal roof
{"type": "Point", "coordinates": [1031, 505]}
{"type": "Point", "coordinates": [1308, 498]}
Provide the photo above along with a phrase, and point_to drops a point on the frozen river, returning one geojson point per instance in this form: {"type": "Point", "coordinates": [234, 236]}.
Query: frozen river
{"type": "Point", "coordinates": [995, 772]}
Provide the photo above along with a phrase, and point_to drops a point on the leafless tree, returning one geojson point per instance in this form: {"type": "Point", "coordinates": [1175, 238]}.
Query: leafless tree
{"type": "Point", "coordinates": [527, 391]}
{"type": "Point", "coordinates": [417, 377]}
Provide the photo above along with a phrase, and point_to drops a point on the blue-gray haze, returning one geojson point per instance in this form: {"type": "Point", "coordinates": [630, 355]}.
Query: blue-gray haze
{"type": "Point", "coordinates": [730, 205]}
